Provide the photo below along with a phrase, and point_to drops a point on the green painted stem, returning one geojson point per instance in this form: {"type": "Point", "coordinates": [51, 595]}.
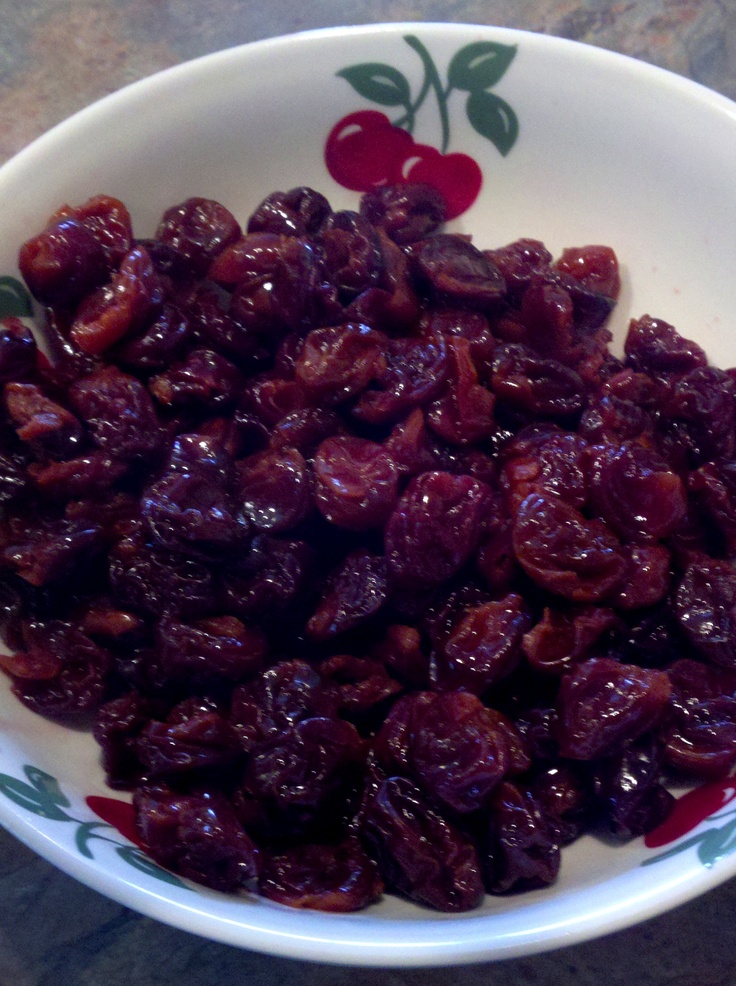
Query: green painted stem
{"type": "Point", "coordinates": [431, 78]}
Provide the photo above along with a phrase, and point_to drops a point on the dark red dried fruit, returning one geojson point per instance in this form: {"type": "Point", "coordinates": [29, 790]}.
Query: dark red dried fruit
{"type": "Point", "coordinates": [596, 267]}
{"type": "Point", "coordinates": [148, 581]}
{"type": "Point", "coordinates": [324, 878]}
{"type": "Point", "coordinates": [415, 370]}
{"type": "Point", "coordinates": [352, 255]}
{"type": "Point", "coordinates": [534, 385]}
{"type": "Point", "coordinates": [705, 604]}
{"type": "Point", "coordinates": [119, 413]}
{"type": "Point", "coordinates": [18, 351]}
{"type": "Point", "coordinates": [198, 835]}
{"type": "Point", "coordinates": [123, 307]}
{"type": "Point", "coordinates": [274, 489]}
{"type": "Point", "coordinates": [303, 778]}
{"type": "Point", "coordinates": [603, 705]}
{"type": "Point", "coordinates": [108, 220]}
{"type": "Point", "coordinates": [75, 674]}
{"type": "Point", "coordinates": [63, 263]}
{"type": "Point", "coordinates": [420, 854]}
{"type": "Point", "coordinates": [51, 430]}
{"type": "Point", "coordinates": [564, 552]}
{"type": "Point", "coordinates": [355, 482]}
{"type": "Point", "coordinates": [452, 270]}
{"type": "Point", "coordinates": [189, 509]}
{"type": "Point", "coordinates": [545, 459]}
{"type": "Point", "coordinates": [339, 362]}
{"type": "Point", "coordinates": [218, 647]}
{"type": "Point", "coordinates": [463, 413]}
{"type": "Point", "coordinates": [198, 229]}
{"type": "Point", "coordinates": [205, 379]}
{"type": "Point", "coordinates": [565, 637]}
{"type": "Point", "coordinates": [435, 527]}
{"type": "Point", "coordinates": [405, 212]}
{"type": "Point", "coordinates": [654, 346]}
{"type": "Point", "coordinates": [628, 790]}
{"type": "Point", "coordinates": [354, 593]}
{"type": "Point", "coordinates": [459, 750]}
{"type": "Point", "coordinates": [276, 700]}
{"type": "Point", "coordinates": [635, 492]}
{"type": "Point", "coordinates": [523, 851]}
{"type": "Point", "coordinates": [298, 212]}
{"type": "Point", "coordinates": [484, 645]}
{"type": "Point", "coordinates": [196, 742]}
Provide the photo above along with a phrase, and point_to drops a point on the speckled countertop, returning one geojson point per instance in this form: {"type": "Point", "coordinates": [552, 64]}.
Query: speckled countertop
{"type": "Point", "coordinates": [57, 56]}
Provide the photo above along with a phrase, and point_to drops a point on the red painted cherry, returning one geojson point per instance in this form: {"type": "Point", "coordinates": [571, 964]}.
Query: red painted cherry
{"type": "Point", "coordinates": [363, 149]}
{"type": "Point", "coordinates": [690, 810]}
{"type": "Point", "coordinates": [119, 814]}
{"type": "Point", "coordinates": [457, 177]}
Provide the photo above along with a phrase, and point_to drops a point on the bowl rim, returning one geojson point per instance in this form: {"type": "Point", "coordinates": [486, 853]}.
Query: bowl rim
{"type": "Point", "coordinates": [444, 942]}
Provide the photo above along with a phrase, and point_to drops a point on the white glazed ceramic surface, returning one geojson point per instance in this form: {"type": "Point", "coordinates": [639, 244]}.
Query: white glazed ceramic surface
{"type": "Point", "coordinates": [609, 150]}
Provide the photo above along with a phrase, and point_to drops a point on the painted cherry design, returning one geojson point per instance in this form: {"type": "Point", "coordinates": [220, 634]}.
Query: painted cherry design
{"type": "Point", "coordinates": [690, 810]}
{"type": "Point", "coordinates": [365, 149]}
{"type": "Point", "coordinates": [119, 814]}
{"type": "Point", "coordinates": [457, 177]}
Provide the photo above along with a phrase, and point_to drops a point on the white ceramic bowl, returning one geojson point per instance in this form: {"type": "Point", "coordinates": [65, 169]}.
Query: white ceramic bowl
{"type": "Point", "coordinates": [608, 150]}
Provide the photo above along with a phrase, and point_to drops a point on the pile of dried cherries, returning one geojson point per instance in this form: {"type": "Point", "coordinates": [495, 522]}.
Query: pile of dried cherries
{"type": "Point", "coordinates": [373, 567]}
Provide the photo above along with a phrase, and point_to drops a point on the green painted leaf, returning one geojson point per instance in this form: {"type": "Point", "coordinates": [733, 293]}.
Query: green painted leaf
{"type": "Point", "coordinates": [138, 859]}
{"type": "Point", "coordinates": [493, 118]}
{"type": "Point", "coordinates": [378, 82]}
{"type": "Point", "coordinates": [694, 840]}
{"type": "Point", "coordinates": [32, 799]}
{"type": "Point", "coordinates": [717, 843]}
{"type": "Point", "coordinates": [86, 832]}
{"type": "Point", "coordinates": [14, 298]}
{"type": "Point", "coordinates": [46, 785]}
{"type": "Point", "coordinates": [479, 66]}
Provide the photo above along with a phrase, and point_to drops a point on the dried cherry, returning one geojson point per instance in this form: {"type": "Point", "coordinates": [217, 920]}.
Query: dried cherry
{"type": "Point", "coordinates": [420, 854]}
{"type": "Point", "coordinates": [564, 552]}
{"type": "Point", "coordinates": [604, 705]}
{"type": "Point", "coordinates": [435, 527]}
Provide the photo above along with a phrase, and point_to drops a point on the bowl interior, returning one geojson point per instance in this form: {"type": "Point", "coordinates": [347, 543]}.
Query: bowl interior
{"type": "Point", "coordinates": [608, 151]}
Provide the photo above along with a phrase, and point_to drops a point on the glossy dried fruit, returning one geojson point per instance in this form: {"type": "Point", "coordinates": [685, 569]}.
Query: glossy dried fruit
{"type": "Point", "coordinates": [356, 482]}
{"type": "Point", "coordinates": [197, 834]}
{"type": "Point", "coordinates": [454, 271]}
{"type": "Point", "coordinates": [274, 489]}
{"type": "Point", "coordinates": [523, 852]}
{"type": "Point", "coordinates": [435, 527]}
{"type": "Point", "coordinates": [325, 878]}
{"type": "Point", "coordinates": [354, 592]}
{"type": "Point", "coordinates": [484, 645]}
{"type": "Point", "coordinates": [604, 705]}
{"type": "Point", "coordinates": [705, 604]}
{"type": "Point", "coordinates": [628, 789]}
{"type": "Point", "coordinates": [197, 229]}
{"type": "Point", "coordinates": [635, 492]}
{"type": "Point", "coordinates": [459, 750]}
{"type": "Point", "coordinates": [420, 854]}
{"type": "Point", "coordinates": [64, 262]}
{"type": "Point", "coordinates": [564, 552]}
{"type": "Point", "coordinates": [299, 212]}
{"type": "Point", "coordinates": [405, 212]}
{"type": "Point", "coordinates": [541, 387]}
{"type": "Point", "coordinates": [303, 778]}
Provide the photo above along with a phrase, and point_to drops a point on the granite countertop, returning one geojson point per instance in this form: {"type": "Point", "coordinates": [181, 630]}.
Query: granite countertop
{"type": "Point", "coordinates": [57, 56]}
